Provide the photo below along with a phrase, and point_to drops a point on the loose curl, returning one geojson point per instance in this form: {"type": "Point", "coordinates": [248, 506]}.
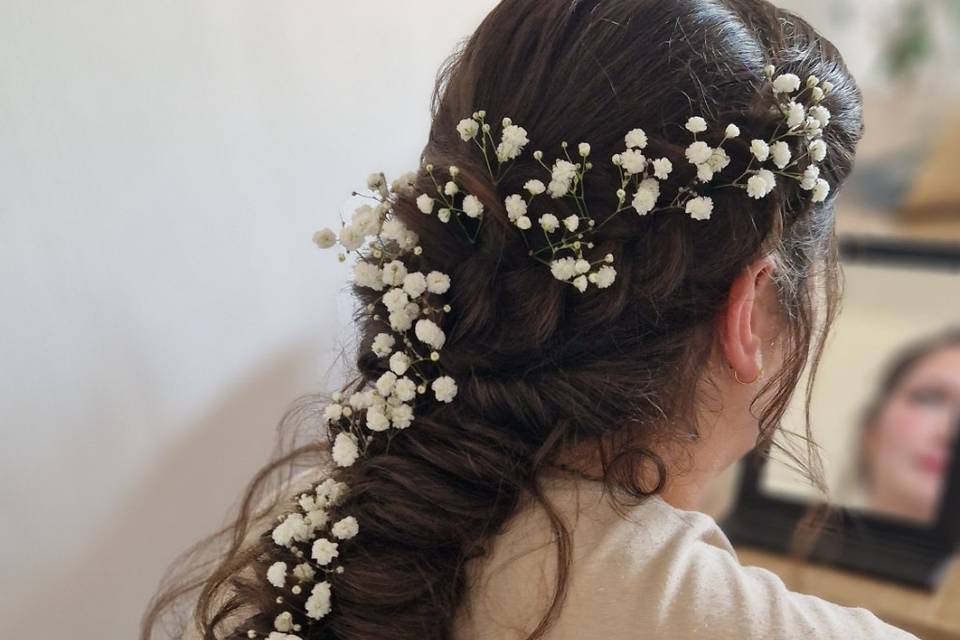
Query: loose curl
{"type": "Point", "coordinates": [543, 370]}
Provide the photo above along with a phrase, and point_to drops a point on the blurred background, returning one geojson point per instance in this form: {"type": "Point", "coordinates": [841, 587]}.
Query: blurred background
{"type": "Point", "coordinates": [162, 169]}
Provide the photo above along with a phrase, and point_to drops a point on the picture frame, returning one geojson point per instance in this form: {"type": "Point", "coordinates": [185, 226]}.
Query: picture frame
{"type": "Point", "coordinates": [857, 539]}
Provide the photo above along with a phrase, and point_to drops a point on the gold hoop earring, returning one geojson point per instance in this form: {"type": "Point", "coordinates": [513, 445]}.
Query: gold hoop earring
{"type": "Point", "coordinates": [736, 376]}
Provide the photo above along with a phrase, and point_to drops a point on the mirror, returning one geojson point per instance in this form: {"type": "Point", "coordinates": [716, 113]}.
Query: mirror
{"type": "Point", "coordinates": [885, 412]}
{"type": "Point", "coordinates": [886, 402]}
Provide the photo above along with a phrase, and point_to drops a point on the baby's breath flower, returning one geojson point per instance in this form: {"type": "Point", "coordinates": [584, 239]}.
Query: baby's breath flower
{"type": "Point", "coordinates": [325, 238]}
{"type": "Point", "coordinates": [396, 299]}
{"type": "Point", "coordinates": [633, 161]}
{"type": "Point", "coordinates": [535, 187]}
{"type": "Point", "coordinates": [563, 268]}
{"type": "Point", "coordinates": [472, 206]}
{"type": "Point", "coordinates": [760, 184]}
{"type": "Point", "coordinates": [820, 190]}
{"type": "Point", "coordinates": [414, 284]}
{"type": "Point", "coordinates": [401, 416]}
{"type": "Point", "coordinates": [562, 176]}
{"type": "Point", "coordinates": [399, 362]}
{"type": "Point", "coordinates": [445, 388]}
{"type": "Point", "coordinates": [584, 149]}
{"type": "Point", "coordinates": [468, 129]}
{"type": "Point", "coordinates": [699, 152]}
{"type": "Point", "coordinates": [318, 604]}
{"type": "Point", "coordinates": [548, 222]}
{"type": "Point", "coordinates": [429, 333]}
{"type": "Point", "coordinates": [719, 160]}
{"type": "Point", "coordinates": [451, 188]}
{"type": "Point", "coordinates": [332, 412]}
{"type": "Point", "coordinates": [760, 150]}
{"type": "Point", "coordinates": [580, 282]}
{"type": "Point", "coordinates": [704, 172]}
{"type": "Point", "coordinates": [696, 124]}
{"type": "Point", "coordinates": [780, 152]}
{"type": "Point", "coordinates": [324, 551]}
{"type": "Point", "coordinates": [345, 528]}
{"type": "Point", "coordinates": [516, 206]}
{"type": "Point", "coordinates": [304, 572]}
{"type": "Point", "coordinates": [351, 237]}
{"type": "Point", "coordinates": [368, 274]}
{"type": "Point", "coordinates": [636, 138]}
{"type": "Point", "coordinates": [345, 449]}
{"type": "Point", "coordinates": [283, 622]}
{"type": "Point", "coordinates": [732, 131]}
{"type": "Point", "coordinates": [795, 114]}
{"type": "Point", "coordinates": [425, 203]}
{"type": "Point", "coordinates": [700, 207]}
{"type": "Point", "coordinates": [662, 168]}
{"type": "Point", "coordinates": [604, 277]}
{"type": "Point", "coordinates": [405, 389]}
{"type": "Point", "coordinates": [822, 114]}
{"type": "Point", "coordinates": [513, 140]}
{"type": "Point", "coordinates": [437, 282]}
{"type": "Point", "coordinates": [810, 175]}
{"type": "Point", "coordinates": [385, 383]}
{"type": "Point", "coordinates": [277, 574]}
{"type": "Point", "coordinates": [291, 528]}
{"type": "Point", "coordinates": [571, 222]}
{"type": "Point", "coordinates": [375, 181]}
{"type": "Point", "coordinates": [818, 150]}
{"type": "Point", "coordinates": [646, 197]}
{"type": "Point", "coordinates": [786, 83]}
{"type": "Point", "coordinates": [523, 222]}
{"type": "Point", "coordinates": [394, 272]}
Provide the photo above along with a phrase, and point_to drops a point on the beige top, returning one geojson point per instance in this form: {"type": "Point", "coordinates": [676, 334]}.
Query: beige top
{"type": "Point", "coordinates": [661, 573]}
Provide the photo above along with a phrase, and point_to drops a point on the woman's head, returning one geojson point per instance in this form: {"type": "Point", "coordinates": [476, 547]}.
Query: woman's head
{"type": "Point", "coordinates": [621, 372]}
{"type": "Point", "coordinates": [909, 426]}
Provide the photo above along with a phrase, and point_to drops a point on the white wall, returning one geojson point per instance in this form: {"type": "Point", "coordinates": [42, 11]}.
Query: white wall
{"type": "Point", "coordinates": [163, 166]}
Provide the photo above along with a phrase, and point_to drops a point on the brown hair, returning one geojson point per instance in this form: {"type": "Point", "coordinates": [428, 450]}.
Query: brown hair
{"type": "Point", "coordinates": [542, 368]}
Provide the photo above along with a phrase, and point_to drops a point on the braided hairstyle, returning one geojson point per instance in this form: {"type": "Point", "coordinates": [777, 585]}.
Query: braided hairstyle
{"type": "Point", "coordinates": [542, 368]}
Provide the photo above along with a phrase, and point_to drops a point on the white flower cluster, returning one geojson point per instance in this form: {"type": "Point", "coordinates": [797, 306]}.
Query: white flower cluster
{"type": "Point", "coordinates": [414, 337]}
{"type": "Point", "coordinates": [805, 118]}
{"type": "Point", "coordinates": [307, 533]}
{"type": "Point", "coordinates": [641, 177]}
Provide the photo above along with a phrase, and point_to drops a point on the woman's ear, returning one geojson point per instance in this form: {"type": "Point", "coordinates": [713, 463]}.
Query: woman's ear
{"type": "Point", "coordinates": [748, 320]}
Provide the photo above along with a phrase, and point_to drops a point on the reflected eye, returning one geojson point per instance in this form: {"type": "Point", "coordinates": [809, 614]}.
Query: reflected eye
{"type": "Point", "coordinates": [927, 397]}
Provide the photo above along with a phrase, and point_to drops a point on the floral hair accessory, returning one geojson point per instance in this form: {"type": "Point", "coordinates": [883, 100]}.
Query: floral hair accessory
{"type": "Point", "coordinates": [412, 305]}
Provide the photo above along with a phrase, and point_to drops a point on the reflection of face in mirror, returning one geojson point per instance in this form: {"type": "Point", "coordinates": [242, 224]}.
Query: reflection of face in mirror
{"type": "Point", "coordinates": [909, 428]}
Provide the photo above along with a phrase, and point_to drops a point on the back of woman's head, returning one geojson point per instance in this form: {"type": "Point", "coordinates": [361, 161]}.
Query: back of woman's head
{"type": "Point", "coordinates": [540, 366]}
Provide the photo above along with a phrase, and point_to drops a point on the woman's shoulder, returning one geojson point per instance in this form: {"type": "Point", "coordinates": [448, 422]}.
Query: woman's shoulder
{"type": "Point", "coordinates": [649, 570]}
